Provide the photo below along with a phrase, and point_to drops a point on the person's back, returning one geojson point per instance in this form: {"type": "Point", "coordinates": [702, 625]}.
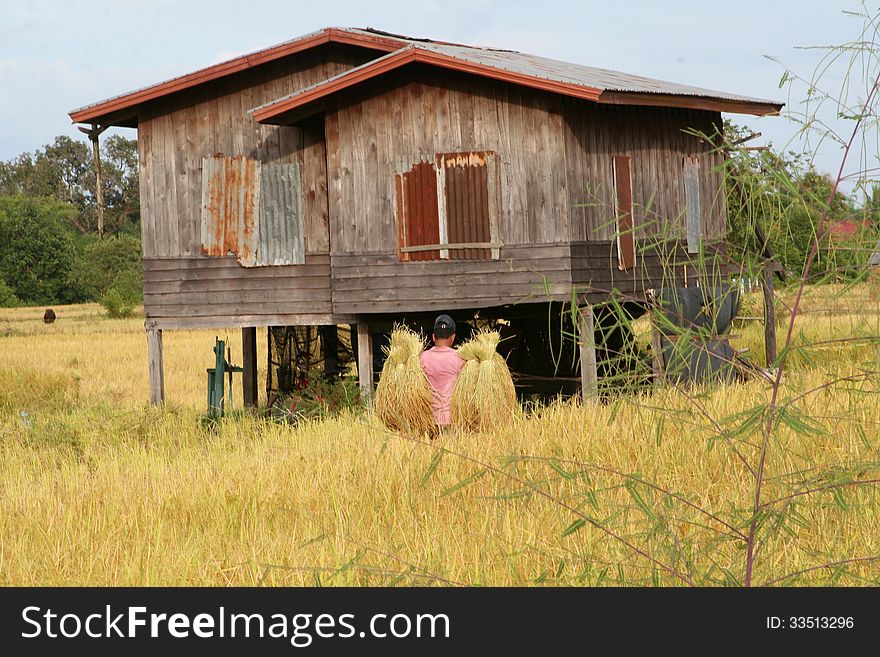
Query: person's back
{"type": "Point", "coordinates": [442, 365]}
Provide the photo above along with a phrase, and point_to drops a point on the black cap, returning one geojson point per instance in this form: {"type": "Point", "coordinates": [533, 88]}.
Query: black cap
{"type": "Point", "coordinates": [444, 326]}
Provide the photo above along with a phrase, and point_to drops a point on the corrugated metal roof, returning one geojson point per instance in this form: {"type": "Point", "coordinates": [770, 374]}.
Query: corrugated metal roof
{"type": "Point", "coordinates": [509, 61]}
{"type": "Point", "coordinates": [588, 76]}
{"type": "Point", "coordinates": [366, 38]}
{"type": "Point", "coordinates": [597, 84]}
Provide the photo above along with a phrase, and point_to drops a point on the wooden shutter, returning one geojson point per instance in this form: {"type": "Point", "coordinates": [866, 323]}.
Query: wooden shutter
{"type": "Point", "coordinates": [466, 181]}
{"type": "Point", "coordinates": [418, 218]}
{"type": "Point", "coordinates": [626, 247]}
{"type": "Point", "coordinates": [692, 200]}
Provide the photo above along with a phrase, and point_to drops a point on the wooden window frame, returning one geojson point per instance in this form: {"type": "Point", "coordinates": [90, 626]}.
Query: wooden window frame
{"type": "Point", "coordinates": [444, 248]}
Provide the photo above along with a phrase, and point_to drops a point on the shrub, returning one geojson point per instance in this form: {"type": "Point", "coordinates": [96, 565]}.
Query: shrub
{"type": "Point", "coordinates": [7, 296]}
{"type": "Point", "coordinates": [116, 305]}
{"type": "Point", "coordinates": [100, 263]}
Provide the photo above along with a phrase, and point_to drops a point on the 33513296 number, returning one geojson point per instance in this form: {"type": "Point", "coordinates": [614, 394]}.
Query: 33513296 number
{"type": "Point", "coordinates": [820, 622]}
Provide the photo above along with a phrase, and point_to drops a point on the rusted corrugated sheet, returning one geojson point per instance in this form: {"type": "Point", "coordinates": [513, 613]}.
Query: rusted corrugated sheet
{"type": "Point", "coordinates": [230, 207]}
{"type": "Point", "coordinates": [253, 211]}
{"type": "Point", "coordinates": [281, 226]}
{"type": "Point", "coordinates": [467, 202]}
{"type": "Point", "coordinates": [422, 222]}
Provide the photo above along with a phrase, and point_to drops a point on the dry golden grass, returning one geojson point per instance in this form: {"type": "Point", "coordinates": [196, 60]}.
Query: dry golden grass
{"type": "Point", "coordinates": [96, 488]}
{"type": "Point", "coordinates": [108, 356]}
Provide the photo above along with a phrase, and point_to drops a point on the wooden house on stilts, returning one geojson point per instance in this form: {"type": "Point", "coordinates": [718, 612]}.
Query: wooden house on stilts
{"type": "Point", "coordinates": [352, 176]}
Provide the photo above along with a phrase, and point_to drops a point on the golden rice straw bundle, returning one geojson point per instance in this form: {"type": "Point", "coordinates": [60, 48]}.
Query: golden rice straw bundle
{"type": "Point", "coordinates": [403, 396]}
{"type": "Point", "coordinates": [484, 397]}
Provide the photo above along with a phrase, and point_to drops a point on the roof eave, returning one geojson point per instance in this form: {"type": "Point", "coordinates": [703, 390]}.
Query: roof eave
{"type": "Point", "coordinates": [124, 107]}
{"type": "Point", "coordinates": [282, 111]}
{"type": "Point", "coordinates": [712, 104]}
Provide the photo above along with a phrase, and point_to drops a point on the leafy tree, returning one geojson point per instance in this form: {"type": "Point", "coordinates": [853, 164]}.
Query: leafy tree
{"type": "Point", "coordinates": [36, 250]}
{"type": "Point", "coordinates": [63, 171]}
{"type": "Point", "coordinates": [119, 162]}
{"type": "Point", "coordinates": [774, 204]}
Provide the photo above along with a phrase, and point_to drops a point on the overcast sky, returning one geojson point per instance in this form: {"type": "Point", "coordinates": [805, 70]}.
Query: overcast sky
{"type": "Point", "coordinates": [59, 55]}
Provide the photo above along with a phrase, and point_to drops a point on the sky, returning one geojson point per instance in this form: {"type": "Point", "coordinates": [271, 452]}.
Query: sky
{"type": "Point", "coordinates": [56, 56]}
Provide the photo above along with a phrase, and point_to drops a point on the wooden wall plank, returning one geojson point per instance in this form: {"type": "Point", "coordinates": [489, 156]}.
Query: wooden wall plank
{"type": "Point", "coordinates": [147, 184]}
{"type": "Point", "coordinates": [243, 320]}
{"type": "Point", "coordinates": [213, 118]}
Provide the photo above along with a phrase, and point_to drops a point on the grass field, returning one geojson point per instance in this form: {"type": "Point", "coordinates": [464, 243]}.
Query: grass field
{"type": "Point", "coordinates": [98, 488]}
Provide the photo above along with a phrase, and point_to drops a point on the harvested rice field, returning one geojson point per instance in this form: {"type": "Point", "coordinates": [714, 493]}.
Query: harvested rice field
{"type": "Point", "coordinates": [649, 488]}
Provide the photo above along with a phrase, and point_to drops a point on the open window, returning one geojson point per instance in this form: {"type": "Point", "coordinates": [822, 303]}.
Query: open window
{"type": "Point", "coordinates": [623, 212]}
{"type": "Point", "coordinates": [252, 210]}
{"type": "Point", "coordinates": [447, 208]}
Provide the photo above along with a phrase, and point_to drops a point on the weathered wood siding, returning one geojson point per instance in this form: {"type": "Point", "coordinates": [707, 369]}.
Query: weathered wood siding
{"type": "Point", "coordinates": [176, 132]}
{"type": "Point", "coordinates": [391, 122]}
{"type": "Point", "coordinates": [556, 217]}
{"type": "Point", "coordinates": [656, 141]}
{"type": "Point", "coordinates": [594, 268]}
{"type": "Point", "coordinates": [379, 283]}
{"type": "Point", "coordinates": [198, 291]}
{"type": "Point", "coordinates": [185, 288]}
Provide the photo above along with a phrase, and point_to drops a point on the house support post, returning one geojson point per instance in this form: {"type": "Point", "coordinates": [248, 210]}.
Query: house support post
{"type": "Point", "coordinates": [249, 366]}
{"type": "Point", "coordinates": [156, 365]}
{"type": "Point", "coordinates": [365, 362]}
{"type": "Point", "coordinates": [769, 313]}
{"type": "Point", "coordinates": [589, 373]}
{"type": "Point", "coordinates": [658, 362]}
{"type": "Point", "coordinates": [658, 366]}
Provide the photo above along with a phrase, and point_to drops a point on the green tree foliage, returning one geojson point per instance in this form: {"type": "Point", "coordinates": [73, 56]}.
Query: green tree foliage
{"type": "Point", "coordinates": [49, 252]}
{"type": "Point", "coordinates": [100, 263]}
{"type": "Point", "coordinates": [63, 170]}
{"type": "Point", "coordinates": [121, 185]}
{"type": "Point", "coordinates": [7, 296]}
{"type": "Point", "coordinates": [36, 250]}
{"type": "Point", "coordinates": [775, 202]}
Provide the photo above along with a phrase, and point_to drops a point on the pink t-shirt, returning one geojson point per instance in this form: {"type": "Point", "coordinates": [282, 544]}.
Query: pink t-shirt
{"type": "Point", "coordinates": [442, 366]}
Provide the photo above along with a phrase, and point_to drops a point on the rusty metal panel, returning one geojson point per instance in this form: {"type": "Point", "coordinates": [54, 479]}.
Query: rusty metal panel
{"type": "Point", "coordinates": [230, 208]}
{"type": "Point", "coordinates": [467, 205]}
{"type": "Point", "coordinates": [422, 221]}
{"type": "Point", "coordinates": [253, 211]}
{"type": "Point", "coordinates": [281, 239]}
{"type": "Point", "coordinates": [692, 203]}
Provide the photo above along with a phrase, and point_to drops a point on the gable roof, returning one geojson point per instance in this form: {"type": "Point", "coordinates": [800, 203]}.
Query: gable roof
{"type": "Point", "coordinates": [586, 82]}
{"type": "Point", "coordinates": [595, 84]}
{"type": "Point", "coordinates": [119, 110]}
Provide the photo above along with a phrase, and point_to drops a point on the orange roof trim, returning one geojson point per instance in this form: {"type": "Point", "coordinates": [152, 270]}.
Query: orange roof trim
{"type": "Point", "coordinates": [96, 111]}
{"type": "Point", "coordinates": [272, 112]}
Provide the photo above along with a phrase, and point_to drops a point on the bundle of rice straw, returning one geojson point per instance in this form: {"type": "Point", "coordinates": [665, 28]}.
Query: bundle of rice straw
{"type": "Point", "coordinates": [484, 397]}
{"type": "Point", "coordinates": [403, 396]}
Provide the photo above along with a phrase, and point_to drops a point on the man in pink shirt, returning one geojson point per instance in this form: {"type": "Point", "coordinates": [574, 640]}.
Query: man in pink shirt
{"type": "Point", "coordinates": [442, 365]}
